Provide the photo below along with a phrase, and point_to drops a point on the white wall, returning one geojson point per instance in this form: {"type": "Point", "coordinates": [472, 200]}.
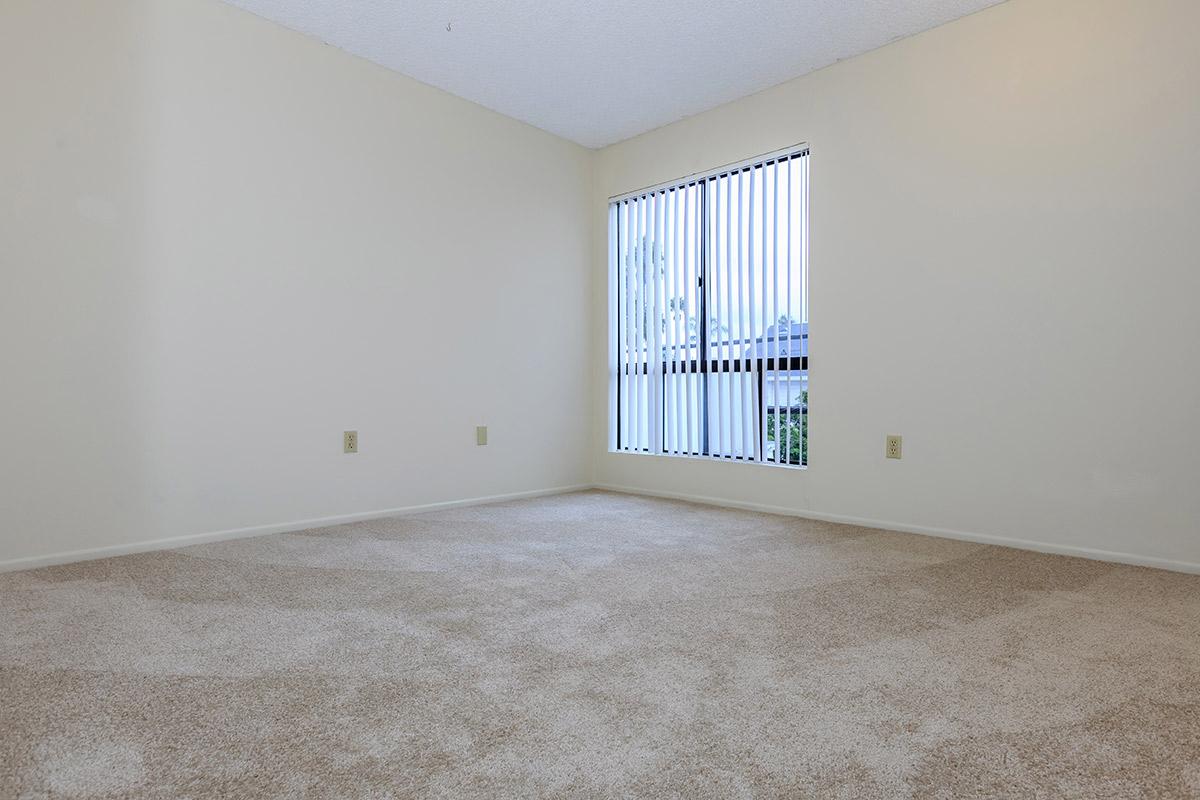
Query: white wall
{"type": "Point", "coordinates": [222, 244]}
{"type": "Point", "coordinates": [219, 239]}
{"type": "Point", "coordinates": [1005, 270]}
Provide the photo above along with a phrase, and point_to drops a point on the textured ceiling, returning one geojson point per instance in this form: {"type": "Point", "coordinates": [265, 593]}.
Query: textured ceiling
{"type": "Point", "coordinates": [598, 72]}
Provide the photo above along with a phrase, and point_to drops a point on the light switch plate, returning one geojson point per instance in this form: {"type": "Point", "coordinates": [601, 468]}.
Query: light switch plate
{"type": "Point", "coordinates": [350, 441]}
{"type": "Point", "coordinates": [481, 435]}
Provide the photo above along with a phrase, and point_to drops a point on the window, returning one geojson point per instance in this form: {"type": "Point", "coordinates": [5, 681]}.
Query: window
{"type": "Point", "coordinates": [709, 315]}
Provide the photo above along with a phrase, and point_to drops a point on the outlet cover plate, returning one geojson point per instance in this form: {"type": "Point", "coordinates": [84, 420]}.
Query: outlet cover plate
{"type": "Point", "coordinates": [893, 447]}
{"type": "Point", "coordinates": [350, 441]}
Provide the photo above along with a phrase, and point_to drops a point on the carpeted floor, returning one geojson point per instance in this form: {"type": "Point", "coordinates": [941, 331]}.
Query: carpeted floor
{"type": "Point", "coordinates": [598, 645]}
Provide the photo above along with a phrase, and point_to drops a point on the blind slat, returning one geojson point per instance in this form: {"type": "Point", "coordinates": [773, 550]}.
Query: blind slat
{"type": "Point", "coordinates": [717, 272]}
{"type": "Point", "coordinates": [787, 424]}
{"type": "Point", "coordinates": [689, 274]}
{"type": "Point", "coordinates": [625, 320]}
{"type": "Point", "coordinates": [775, 302]}
{"type": "Point", "coordinates": [744, 335]}
{"type": "Point", "coordinates": [766, 319]}
{"type": "Point", "coordinates": [635, 410]}
{"type": "Point", "coordinates": [676, 333]}
{"type": "Point", "coordinates": [655, 322]}
{"type": "Point", "coordinates": [756, 373]}
{"type": "Point", "coordinates": [614, 282]}
{"type": "Point", "coordinates": [668, 328]}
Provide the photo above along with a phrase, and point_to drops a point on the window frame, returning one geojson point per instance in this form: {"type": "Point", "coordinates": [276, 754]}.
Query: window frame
{"type": "Point", "coordinates": [704, 364]}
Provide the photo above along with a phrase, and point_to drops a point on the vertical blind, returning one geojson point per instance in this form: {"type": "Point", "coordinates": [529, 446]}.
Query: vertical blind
{"type": "Point", "coordinates": [709, 315]}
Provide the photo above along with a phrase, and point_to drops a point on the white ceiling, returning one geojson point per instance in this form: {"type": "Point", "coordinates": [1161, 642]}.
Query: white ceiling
{"type": "Point", "coordinates": [601, 71]}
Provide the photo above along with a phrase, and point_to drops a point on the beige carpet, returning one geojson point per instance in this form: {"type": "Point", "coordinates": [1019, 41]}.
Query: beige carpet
{"type": "Point", "coordinates": [598, 645]}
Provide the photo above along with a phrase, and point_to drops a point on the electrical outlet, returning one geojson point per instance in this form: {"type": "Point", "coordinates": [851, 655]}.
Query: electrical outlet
{"type": "Point", "coordinates": [893, 447]}
{"type": "Point", "coordinates": [350, 441]}
{"type": "Point", "coordinates": [481, 435]}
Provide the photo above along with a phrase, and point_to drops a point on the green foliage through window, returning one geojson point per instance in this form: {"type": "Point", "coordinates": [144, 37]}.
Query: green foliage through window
{"type": "Point", "coordinates": [793, 433]}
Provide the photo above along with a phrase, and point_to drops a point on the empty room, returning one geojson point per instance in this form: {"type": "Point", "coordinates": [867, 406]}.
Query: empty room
{"type": "Point", "coordinates": [527, 399]}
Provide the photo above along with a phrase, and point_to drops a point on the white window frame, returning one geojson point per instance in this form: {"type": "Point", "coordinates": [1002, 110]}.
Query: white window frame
{"type": "Point", "coordinates": [769, 353]}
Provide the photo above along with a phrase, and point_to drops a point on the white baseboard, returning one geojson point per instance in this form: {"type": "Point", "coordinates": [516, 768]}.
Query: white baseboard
{"type": "Point", "coordinates": [32, 562]}
{"type": "Point", "coordinates": [1095, 554]}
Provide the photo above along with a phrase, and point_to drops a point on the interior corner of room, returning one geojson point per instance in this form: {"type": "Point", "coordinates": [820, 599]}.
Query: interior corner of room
{"type": "Point", "coordinates": [197, 308]}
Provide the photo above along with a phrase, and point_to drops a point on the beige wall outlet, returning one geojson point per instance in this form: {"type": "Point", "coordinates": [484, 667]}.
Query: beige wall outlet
{"type": "Point", "coordinates": [481, 435]}
{"type": "Point", "coordinates": [893, 446]}
{"type": "Point", "coordinates": [350, 442]}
